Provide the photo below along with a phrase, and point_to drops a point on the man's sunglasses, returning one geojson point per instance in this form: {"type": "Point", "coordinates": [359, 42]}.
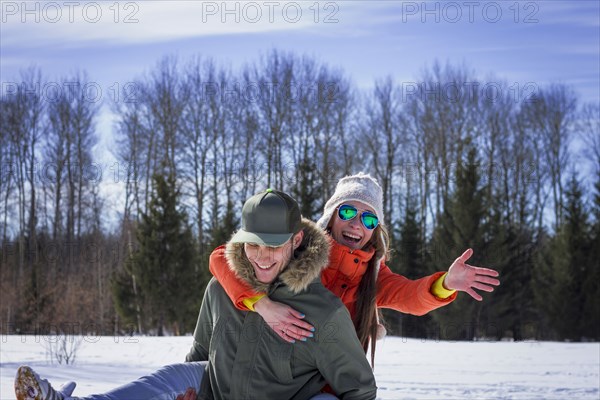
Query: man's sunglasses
{"type": "Point", "coordinates": [346, 212]}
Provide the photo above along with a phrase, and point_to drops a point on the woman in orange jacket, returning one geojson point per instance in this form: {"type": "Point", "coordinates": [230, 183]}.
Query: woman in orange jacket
{"type": "Point", "coordinates": [357, 273]}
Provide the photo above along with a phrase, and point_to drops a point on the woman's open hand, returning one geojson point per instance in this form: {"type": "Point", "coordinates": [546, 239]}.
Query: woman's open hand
{"type": "Point", "coordinates": [284, 320]}
{"type": "Point", "coordinates": [464, 277]}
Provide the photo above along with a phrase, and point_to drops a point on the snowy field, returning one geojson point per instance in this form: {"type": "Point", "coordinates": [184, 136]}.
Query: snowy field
{"type": "Point", "coordinates": [405, 368]}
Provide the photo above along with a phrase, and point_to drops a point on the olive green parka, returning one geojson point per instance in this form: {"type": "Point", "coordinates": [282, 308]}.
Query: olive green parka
{"type": "Point", "coordinates": [249, 361]}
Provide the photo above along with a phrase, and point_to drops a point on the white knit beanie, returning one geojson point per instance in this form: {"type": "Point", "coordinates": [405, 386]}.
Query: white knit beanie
{"type": "Point", "coordinates": [360, 187]}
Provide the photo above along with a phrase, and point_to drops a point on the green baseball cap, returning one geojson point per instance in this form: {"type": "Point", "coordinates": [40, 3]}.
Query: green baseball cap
{"type": "Point", "coordinates": [269, 218]}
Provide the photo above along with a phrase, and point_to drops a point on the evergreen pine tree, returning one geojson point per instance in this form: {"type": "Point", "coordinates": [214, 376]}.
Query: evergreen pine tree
{"type": "Point", "coordinates": [591, 284]}
{"type": "Point", "coordinates": [308, 190]}
{"type": "Point", "coordinates": [458, 228]}
{"type": "Point", "coordinates": [508, 249]}
{"type": "Point", "coordinates": [223, 228]}
{"type": "Point", "coordinates": [127, 300]}
{"type": "Point", "coordinates": [510, 309]}
{"type": "Point", "coordinates": [578, 241]}
{"type": "Point", "coordinates": [549, 277]}
{"type": "Point", "coordinates": [562, 268]}
{"type": "Point", "coordinates": [410, 262]}
{"type": "Point", "coordinates": [165, 265]}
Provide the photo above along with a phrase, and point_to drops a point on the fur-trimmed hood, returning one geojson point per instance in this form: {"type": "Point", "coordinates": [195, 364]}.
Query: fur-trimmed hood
{"type": "Point", "coordinates": [310, 258]}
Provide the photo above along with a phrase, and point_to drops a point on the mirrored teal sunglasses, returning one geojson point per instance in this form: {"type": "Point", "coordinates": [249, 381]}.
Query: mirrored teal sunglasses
{"type": "Point", "coordinates": [346, 212]}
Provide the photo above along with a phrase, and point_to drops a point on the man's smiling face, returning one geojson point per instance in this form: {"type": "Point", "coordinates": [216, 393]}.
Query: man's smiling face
{"type": "Point", "coordinates": [268, 262]}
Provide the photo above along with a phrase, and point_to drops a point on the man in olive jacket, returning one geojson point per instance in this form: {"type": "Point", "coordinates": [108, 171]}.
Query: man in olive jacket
{"type": "Point", "coordinates": [279, 253]}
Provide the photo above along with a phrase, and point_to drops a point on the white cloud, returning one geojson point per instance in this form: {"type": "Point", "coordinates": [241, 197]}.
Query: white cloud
{"type": "Point", "coordinates": [38, 23]}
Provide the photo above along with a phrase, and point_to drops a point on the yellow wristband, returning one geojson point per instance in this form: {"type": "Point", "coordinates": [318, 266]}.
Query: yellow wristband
{"type": "Point", "coordinates": [438, 289]}
{"type": "Point", "coordinates": [251, 301]}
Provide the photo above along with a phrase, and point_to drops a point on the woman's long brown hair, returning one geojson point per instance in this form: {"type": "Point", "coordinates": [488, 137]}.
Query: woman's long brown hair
{"type": "Point", "coordinates": [366, 316]}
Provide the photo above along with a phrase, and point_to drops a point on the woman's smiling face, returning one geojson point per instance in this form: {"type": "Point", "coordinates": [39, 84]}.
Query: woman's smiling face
{"type": "Point", "coordinates": [351, 233]}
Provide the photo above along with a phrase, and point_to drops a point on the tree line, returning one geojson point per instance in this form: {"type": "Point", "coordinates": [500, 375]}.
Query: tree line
{"type": "Point", "coordinates": [463, 162]}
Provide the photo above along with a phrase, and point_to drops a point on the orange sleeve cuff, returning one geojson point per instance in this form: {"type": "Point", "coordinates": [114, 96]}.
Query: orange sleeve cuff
{"type": "Point", "coordinates": [438, 289]}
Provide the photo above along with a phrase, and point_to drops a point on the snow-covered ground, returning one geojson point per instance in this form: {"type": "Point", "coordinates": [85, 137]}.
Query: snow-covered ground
{"type": "Point", "coordinates": [405, 368]}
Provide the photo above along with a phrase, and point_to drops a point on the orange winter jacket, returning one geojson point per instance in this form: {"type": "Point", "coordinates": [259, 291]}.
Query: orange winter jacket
{"type": "Point", "coordinates": [342, 276]}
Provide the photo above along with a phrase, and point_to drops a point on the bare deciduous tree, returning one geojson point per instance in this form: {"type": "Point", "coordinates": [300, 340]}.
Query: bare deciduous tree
{"type": "Point", "coordinates": [589, 129]}
{"type": "Point", "coordinates": [552, 114]}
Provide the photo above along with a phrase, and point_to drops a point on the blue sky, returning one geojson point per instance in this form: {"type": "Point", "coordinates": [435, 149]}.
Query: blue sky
{"type": "Point", "coordinates": [546, 41]}
{"type": "Point", "coordinates": [521, 42]}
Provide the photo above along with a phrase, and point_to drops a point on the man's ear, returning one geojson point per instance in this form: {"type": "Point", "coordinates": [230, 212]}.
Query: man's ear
{"type": "Point", "coordinates": [297, 239]}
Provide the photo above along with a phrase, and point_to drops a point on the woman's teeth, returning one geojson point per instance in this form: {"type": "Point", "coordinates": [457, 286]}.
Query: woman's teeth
{"type": "Point", "coordinates": [349, 236]}
{"type": "Point", "coordinates": [264, 266]}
